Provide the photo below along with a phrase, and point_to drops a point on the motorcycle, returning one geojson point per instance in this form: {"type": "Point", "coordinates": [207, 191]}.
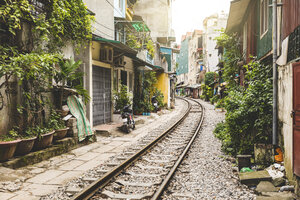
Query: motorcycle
{"type": "Point", "coordinates": [127, 118]}
{"type": "Point", "coordinates": [154, 103]}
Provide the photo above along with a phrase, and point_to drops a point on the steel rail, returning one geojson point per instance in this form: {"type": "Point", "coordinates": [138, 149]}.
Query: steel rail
{"type": "Point", "coordinates": [166, 181]}
{"type": "Point", "coordinates": [103, 181]}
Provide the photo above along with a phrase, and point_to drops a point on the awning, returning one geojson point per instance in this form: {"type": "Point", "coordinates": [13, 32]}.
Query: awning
{"type": "Point", "coordinates": [158, 68]}
{"type": "Point", "coordinates": [139, 62]}
{"type": "Point", "coordinates": [237, 11]}
{"type": "Point", "coordinates": [194, 86]}
{"type": "Point", "coordinates": [118, 46]}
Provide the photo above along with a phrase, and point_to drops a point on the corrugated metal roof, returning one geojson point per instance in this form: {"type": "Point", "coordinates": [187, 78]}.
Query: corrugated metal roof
{"type": "Point", "coordinates": [237, 11]}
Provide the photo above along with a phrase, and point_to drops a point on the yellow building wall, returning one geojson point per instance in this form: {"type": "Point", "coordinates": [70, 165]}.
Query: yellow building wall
{"type": "Point", "coordinates": [163, 85]}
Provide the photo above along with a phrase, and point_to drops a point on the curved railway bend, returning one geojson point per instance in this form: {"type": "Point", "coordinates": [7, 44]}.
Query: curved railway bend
{"type": "Point", "coordinates": [179, 160]}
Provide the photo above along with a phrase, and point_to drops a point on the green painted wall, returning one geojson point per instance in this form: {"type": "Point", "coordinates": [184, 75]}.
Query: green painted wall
{"type": "Point", "coordinates": [183, 57]}
{"type": "Point", "coordinates": [264, 44]}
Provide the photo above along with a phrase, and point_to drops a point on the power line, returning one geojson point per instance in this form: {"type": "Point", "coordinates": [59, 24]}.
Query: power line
{"type": "Point", "coordinates": [104, 26]}
{"type": "Point", "coordinates": [103, 33]}
{"type": "Point", "coordinates": [114, 7]}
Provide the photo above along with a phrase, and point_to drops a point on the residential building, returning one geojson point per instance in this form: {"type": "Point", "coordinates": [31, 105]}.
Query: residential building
{"type": "Point", "coordinates": [252, 21]}
{"type": "Point", "coordinates": [195, 57]}
{"type": "Point", "coordinates": [182, 69]}
{"type": "Point", "coordinates": [212, 26]}
{"type": "Point", "coordinates": [158, 17]}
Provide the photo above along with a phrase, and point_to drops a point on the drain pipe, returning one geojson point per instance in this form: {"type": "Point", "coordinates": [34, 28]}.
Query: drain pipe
{"type": "Point", "coordinates": [275, 76]}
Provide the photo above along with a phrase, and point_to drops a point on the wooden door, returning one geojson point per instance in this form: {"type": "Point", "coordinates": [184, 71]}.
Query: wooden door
{"type": "Point", "coordinates": [296, 118]}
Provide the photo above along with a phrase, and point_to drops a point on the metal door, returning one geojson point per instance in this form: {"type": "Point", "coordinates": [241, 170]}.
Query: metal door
{"type": "Point", "coordinates": [296, 117]}
{"type": "Point", "coordinates": [101, 95]}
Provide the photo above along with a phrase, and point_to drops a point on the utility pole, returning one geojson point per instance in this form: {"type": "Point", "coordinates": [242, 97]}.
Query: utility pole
{"type": "Point", "coordinates": [275, 75]}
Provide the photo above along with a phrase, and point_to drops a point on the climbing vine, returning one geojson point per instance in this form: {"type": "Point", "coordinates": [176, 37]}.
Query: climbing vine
{"type": "Point", "coordinates": [57, 22]}
{"type": "Point", "coordinates": [32, 35]}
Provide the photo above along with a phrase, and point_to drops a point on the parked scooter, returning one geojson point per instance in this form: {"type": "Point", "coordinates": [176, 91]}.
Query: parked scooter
{"type": "Point", "coordinates": [154, 103]}
{"type": "Point", "coordinates": [127, 118]}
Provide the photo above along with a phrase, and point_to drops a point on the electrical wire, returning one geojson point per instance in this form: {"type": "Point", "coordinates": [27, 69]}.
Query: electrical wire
{"type": "Point", "coordinates": [102, 33]}
{"type": "Point", "coordinates": [104, 26]}
{"type": "Point", "coordinates": [114, 7]}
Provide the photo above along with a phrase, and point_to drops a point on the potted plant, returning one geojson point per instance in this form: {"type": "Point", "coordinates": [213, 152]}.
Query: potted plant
{"type": "Point", "coordinates": [26, 144]}
{"type": "Point", "coordinates": [56, 123]}
{"type": "Point", "coordinates": [8, 144]}
{"type": "Point", "coordinates": [44, 137]}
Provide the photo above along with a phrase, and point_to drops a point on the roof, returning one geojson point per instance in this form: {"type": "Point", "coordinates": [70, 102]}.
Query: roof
{"type": "Point", "coordinates": [237, 11]}
{"type": "Point", "coordinates": [118, 46]}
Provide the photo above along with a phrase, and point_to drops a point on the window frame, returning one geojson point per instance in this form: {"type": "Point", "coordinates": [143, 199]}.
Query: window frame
{"type": "Point", "coordinates": [264, 18]}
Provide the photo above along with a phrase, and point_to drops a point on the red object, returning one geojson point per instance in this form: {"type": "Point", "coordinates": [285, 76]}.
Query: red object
{"type": "Point", "coordinates": [296, 118]}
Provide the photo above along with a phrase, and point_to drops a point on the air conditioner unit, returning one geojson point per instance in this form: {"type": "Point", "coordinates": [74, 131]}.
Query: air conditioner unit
{"type": "Point", "coordinates": [106, 54]}
{"type": "Point", "coordinates": [120, 62]}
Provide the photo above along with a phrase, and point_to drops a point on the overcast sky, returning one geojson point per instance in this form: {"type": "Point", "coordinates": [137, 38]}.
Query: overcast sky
{"type": "Point", "coordinates": [189, 14]}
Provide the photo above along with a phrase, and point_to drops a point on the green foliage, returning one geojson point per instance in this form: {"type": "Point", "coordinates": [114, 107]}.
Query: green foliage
{"type": "Point", "coordinates": [144, 90]}
{"type": "Point", "coordinates": [207, 92]}
{"type": "Point", "coordinates": [150, 47]}
{"type": "Point", "coordinates": [249, 112]}
{"type": "Point", "coordinates": [210, 78]}
{"type": "Point", "coordinates": [12, 135]}
{"type": "Point", "coordinates": [214, 99]}
{"type": "Point", "coordinates": [220, 103]}
{"type": "Point", "coordinates": [121, 98]}
{"type": "Point", "coordinates": [132, 41]}
{"type": "Point", "coordinates": [231, 56]}
{"type": "Point", "coordinates": [61, 22]}
{"type": "Point", "coordinates": [138, 40]}
{"type": "Point", "coordinates": [37, 131]}
{"type": "Point", "coordinates": [160, 98]}
{"type": "Point", "coordinates": [55, 122]}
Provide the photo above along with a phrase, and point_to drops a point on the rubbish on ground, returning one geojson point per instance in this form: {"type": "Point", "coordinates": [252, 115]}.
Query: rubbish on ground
{"type": "Point", "coordinates": [287, 188]}
{"type": "Point", "coordinates": [246, 169]}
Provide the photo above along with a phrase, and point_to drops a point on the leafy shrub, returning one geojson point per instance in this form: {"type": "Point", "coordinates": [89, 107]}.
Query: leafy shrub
{"type": "Point", "coordinates": [214, 99]}
{"type": "Point", "coordinates": [121, 98]}
{"type": "Point", "coordinates": [249, 112]}
{"type": "Point", "coordinates": [207, 92]}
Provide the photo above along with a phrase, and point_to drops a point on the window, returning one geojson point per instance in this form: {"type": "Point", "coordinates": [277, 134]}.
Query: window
{"type": "Point", "coordinates": [115, 80]}
{"type": "Point", "coordinates": [130, 81]}
{"type": "Point", "coordinates": [123, 77]}
{"type": "Point", "coordinates": [121, 5]}
{"type": "Point", "coordinates": [264, 16]}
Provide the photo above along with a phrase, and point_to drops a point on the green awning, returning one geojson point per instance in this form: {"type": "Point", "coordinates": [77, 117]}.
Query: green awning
{"type": "Point", "coordinates": [140, 26]}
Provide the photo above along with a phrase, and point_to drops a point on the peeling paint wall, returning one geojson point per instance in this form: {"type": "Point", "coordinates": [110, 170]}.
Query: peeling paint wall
{"type": "Point", "coordinates": [285, 106]}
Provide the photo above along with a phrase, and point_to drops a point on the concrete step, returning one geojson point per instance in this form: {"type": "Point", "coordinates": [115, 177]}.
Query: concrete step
{"type": "Point", "coordinates": [253, 178]}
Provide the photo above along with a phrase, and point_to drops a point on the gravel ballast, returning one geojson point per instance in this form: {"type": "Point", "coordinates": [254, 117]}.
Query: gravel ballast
{"type": "Point", "coordinates": [205, 173]}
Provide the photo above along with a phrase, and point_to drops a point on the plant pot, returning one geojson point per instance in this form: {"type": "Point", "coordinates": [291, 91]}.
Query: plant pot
{"type": "Point", "coordinates": [7, 149]}
{"type": "Point", "coordinates": [60, 134]}
{"type": "Point", "coordinates": [25, 146]}
{"type": "Point", "coordinates": [43, 141]}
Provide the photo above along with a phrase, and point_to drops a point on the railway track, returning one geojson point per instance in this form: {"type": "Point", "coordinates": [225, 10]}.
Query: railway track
{"type": "Point", "coordinates": [146, 173]}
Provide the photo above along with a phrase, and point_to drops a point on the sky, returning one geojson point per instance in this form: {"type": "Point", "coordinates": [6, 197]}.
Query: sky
{"type": "Point", "coordinates": [188, 15]}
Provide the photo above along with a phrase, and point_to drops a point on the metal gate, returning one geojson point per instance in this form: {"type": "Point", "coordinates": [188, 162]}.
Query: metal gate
{"type": "Point", "coordinates": [296, 117]}
{"type": "Point", "coordinates": [101, 95]}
